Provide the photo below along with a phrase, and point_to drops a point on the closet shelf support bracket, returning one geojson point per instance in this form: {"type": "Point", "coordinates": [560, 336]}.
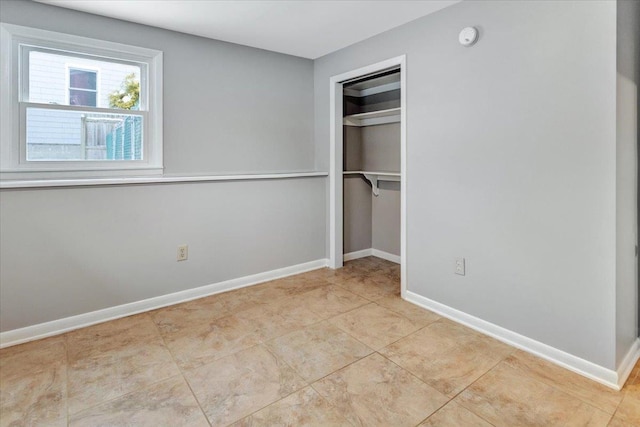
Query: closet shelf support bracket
{"type": "Point", "coordinates": [373, 179]}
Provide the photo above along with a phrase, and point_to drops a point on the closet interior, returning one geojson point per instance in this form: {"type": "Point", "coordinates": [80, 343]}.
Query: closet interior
{"type": "Point", "coordinates": [371, 164]}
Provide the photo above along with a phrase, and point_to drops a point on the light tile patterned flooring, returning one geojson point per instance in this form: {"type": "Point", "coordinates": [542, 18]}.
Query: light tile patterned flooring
{"type": "Point", "coordinates": [322, 348]}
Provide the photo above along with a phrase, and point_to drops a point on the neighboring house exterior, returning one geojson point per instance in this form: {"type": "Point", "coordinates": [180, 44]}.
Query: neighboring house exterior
{"type": "Point", "coordinates": [72, 135]}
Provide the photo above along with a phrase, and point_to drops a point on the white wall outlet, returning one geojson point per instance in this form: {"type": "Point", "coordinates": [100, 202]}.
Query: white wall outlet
{"type": "Point", "coordinates": [459, 266]}
{"type": "Point", "coordinates": [183, 252]}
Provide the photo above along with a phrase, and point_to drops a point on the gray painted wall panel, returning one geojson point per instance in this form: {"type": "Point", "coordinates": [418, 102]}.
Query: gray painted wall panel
{"type": "Point", "coordinates": [511, 164]}
{"type": "Point", "coordinates": [352, 148]}
{"type": "Point", "coordinates": [385, 218]}
{"type": "Point", "coordinates": [381, 147]}
{"type": "Point", "coordinates": [628, 57]}
{"type": "Point", "coordinates": [72, 251]}
{"type": "Point", "coordinates": [357, 214]}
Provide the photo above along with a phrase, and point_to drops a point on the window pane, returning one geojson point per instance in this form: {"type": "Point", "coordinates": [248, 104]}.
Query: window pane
{"type": "Point", "coordinates": [53, 76]}
{"type": "Point", "coordinates": [72, 135]}
{"type": "Point", "coordinates": [82, 97]}
{"type": "Point", "coordinates": [82, 79]}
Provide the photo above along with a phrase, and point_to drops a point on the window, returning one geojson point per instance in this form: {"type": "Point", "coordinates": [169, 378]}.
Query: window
{"type": "Point", "coordinates": [78, 107]}
{"type": "Point", "coordinates": [83, 87]}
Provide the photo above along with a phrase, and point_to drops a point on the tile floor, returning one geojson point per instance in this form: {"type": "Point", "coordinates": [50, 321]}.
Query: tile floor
{"type": "Point", "coordinates": [322, 348]}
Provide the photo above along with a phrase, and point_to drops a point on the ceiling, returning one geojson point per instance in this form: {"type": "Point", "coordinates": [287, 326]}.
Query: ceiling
{"type": "Point", "coordinates": [306, 28]}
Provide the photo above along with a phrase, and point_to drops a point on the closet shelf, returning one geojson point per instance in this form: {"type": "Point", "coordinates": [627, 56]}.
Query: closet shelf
{"type": "Point", "coordinates": [392, 115]}
{"type": "Point", "coordinates": [362, 89]}
{"type": "Point", "coordinates": [374, 176]}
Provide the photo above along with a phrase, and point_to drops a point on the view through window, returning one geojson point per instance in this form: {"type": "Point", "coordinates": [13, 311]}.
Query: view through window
{"type": "Point", "coordinates": [55, 131]}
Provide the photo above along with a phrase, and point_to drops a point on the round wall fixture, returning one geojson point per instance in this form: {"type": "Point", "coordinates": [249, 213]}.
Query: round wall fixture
{"type": "Point", "coordinates": [468, 36]}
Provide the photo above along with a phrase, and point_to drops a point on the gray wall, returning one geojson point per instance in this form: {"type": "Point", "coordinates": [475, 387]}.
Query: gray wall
{"type": "Point", "coordinates": [352, 148]}
{"type": "Point", "coordinates": [70, 251]}
{"type": "Point", "coordinates": [385, 218]}
{"type": "Point", "coordinates": [357, 233]}
{"type": "Point", "coordinates": [381, 152]}
{"type": "Point", "coordinates": [370, 221]}
{"type": "Point", "coordinates": [227, 109]}
{"type": "Point", "coordinates": [381, 147]}
{"type": "Point", "coordinates": [511, 164]}
{"type": "Point", "coordinates": [628, 46]}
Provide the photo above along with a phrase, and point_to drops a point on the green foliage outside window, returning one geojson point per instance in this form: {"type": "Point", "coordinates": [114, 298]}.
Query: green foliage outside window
{"type": "Point", "coordinates": [128, 96]}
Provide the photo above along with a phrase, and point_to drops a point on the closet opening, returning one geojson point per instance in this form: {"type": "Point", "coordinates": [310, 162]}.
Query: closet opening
{"type": "Point", "coordinates": [368, 165]}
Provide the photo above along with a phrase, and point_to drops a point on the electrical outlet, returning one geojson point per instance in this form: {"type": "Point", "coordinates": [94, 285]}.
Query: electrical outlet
{"type": "Point", "coordinates": [183, 252]}
{"type": "Point", "coordinates": [459, 266]}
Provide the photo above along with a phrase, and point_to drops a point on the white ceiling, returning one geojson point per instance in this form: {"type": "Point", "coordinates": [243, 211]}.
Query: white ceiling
{"type": "Point", "coordinates": [306, 28]}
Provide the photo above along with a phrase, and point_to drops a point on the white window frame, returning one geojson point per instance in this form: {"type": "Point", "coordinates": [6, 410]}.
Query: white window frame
{"type": "Point", "coordinates": [13, 105]}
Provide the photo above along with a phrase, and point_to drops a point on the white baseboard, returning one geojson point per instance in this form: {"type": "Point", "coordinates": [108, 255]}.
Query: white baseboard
{"type": "Point", "coordinates": [56, 327]}
{"type": "Point", "coordinates": [568, 361]}
{"type": "Point", "coordinates": [357, 254]}
{"type": "Point", "coordinates": [386, 255]}
{"type": "Point", "coordinates": [629, 361]}
{"type": "Point", "coordinates": [371, 252]}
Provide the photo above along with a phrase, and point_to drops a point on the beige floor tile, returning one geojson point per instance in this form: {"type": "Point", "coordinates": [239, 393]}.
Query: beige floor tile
{"type": "Point", "coordinates": [302, 408]}
{"type": "Point", "coordinates": [24, 359]}
{"type": "Point", "coordinates": [367, 262]}
{"type": "Point", "coordinates": [629, 409]}
{"type": "Point", "coordinates": [373, 266]}
{"type": "Point", "coordinates": [177, 318]}
{"type": "Point", "coordinates": [167, 403]}
{"type": "Point", "coordinates": [37, 399]}
{"type": "Point", "coordinates": [618, 422]}
{"type": "Point", "coordinates": [233, 387]}
{"type": "Point", "coordinates": [205, 343]}
{"type": "Point", "coordinates": [447, 355]}
{"type": "Point", "coordinates": [387, 268]}
{"type": "Point", "coordinates": [318, 350]}
{"type": "Point", "coordinates": [98, 378]}
{"type": "Point", "coordinates": [288, 286]}
{"type": "Point", "coordinates": [33, 383]}
{"type": "Point", "coordinates": [116, 334]}
{"type": "Point", "coordinates": [454, 415]}
{"type": "Point", "coordinates": [236, 300]}
{"type": "Point", "coordinates": [411, 311]}
{"type": "Point", "coordinates": [329, 274]}
{"type": "Point", "coordinates": [278, 318]}
{"type": "Point", "coordinates": [305, 282]}
{"type": "Point", "coordinates": [330, 301]}
{"type": "Point", "coordinates": [633, 382]}
{"type": "Point", "coordinates": [374, 326]}
{"type": "Point", "coordinates": [376, 392]}
{"type": "Point", "coordinates": [371, 286]}
{"type": "Point", "coordinates": [362, 265]}
{"type": "Point", "coordinates": [576, 385]}
{"type": "Point", "coordinates": [506, 396]}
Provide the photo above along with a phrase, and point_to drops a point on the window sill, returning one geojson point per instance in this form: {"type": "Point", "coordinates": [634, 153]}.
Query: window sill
{"type": "Point", "coordinates": [163, 179]}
